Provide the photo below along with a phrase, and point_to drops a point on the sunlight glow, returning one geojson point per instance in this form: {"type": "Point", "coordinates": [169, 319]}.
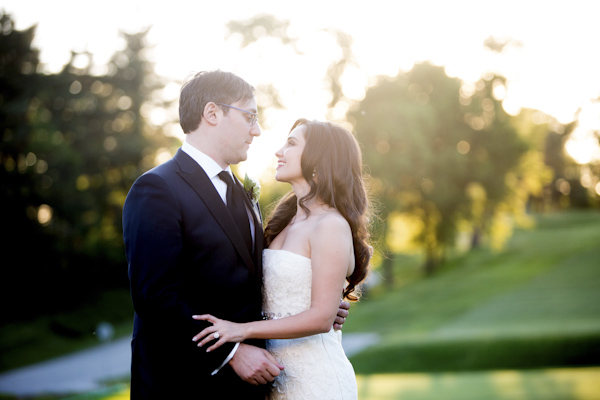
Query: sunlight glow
{"type": "Point", "coordinates": [583, 146]}
{"type": "Point", "coordinates": [110, 143]}
{"type": "Point", "coordinates": [354, 83]}
{"type": "Point", "coordinates": [540, 71]}
{"type": "Point", "coordinates": [463, 147]}
{"type": "Point", "coordinates": [162, 155]}
{"type": "Point", "coordinates": [498, 90]}
{"type": "Point", "coordinates": [44, 214]}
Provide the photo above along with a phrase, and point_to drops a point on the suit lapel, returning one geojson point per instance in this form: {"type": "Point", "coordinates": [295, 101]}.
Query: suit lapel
{"type": "Point", "coordinates": [259, 236]}
{"type": "Point", "coordinates": [258, 247]}
{"type": "Point", "coordinates": [253, 210]}
{"type": "Point", "coordinates": [195, 176]}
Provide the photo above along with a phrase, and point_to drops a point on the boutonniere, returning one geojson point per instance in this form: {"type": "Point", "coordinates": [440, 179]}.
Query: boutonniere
{"type": "Point", "coordinates": [252, 188]}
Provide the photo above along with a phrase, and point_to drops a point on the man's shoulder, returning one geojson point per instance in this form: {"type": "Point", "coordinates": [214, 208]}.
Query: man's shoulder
{"type": "Point", "coordinates": [163, 170]}
{"type": "Point", "coordinates": [157, 178]}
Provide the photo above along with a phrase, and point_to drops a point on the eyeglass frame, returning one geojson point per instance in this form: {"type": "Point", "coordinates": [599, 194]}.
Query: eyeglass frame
{"type": "Point", "coordinates": [254, 115]}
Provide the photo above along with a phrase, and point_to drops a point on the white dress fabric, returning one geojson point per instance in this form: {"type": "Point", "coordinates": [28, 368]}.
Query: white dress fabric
{"type": "Point", "coordinates": [316, 367]}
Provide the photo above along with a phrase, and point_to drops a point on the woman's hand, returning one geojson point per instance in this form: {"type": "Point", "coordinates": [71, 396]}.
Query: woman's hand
{"type": "Point", "coordinates": [225, 331]}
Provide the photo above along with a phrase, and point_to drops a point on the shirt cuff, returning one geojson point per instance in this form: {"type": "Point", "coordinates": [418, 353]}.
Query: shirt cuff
{"type": "Point", "coordinates": [229, 357]}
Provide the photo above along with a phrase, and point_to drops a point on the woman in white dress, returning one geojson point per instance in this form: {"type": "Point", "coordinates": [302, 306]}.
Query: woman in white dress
{"type": "Point", "coordinates": [317, 249]}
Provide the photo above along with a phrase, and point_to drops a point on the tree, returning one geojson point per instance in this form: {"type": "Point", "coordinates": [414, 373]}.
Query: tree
{"type": "Point", "coordinates": [562, 184]}
{"type": "Point", "coordinates": [73, 144]}
{"type": "Point", "coordinates": [20, 201]}
{"type": "Point", "coordinates": [427, 152]}
{"type": "Point", "coordinates": [498, 187]}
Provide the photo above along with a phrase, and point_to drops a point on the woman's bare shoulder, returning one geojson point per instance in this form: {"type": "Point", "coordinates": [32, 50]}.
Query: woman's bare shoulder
{"type": "Point", "coordinates": [331, 222]}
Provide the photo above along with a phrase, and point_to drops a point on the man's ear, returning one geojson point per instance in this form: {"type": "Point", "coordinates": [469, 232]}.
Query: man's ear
{"type": "Point", "coordinates": [211, 113]}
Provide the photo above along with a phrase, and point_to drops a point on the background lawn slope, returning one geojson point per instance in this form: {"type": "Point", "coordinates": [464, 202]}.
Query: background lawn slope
{"type": "Point", "coordinates": [534, 305]}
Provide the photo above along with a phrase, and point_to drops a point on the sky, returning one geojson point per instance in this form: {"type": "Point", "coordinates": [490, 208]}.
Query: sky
{"type": "Point", "coordinates": [555, 69]}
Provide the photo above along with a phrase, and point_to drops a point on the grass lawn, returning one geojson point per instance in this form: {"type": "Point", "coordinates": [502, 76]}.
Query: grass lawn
{"type": "Point", "coordinates": [547, 384]}
{"type": "Point", "coordinates": [550, 384]}
{"type": "Point", "coordinates": [534, 305]}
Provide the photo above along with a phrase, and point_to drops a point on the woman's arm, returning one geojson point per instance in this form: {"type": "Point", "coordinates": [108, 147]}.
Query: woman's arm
{"type": "Point", "coordinates": [331, 252]}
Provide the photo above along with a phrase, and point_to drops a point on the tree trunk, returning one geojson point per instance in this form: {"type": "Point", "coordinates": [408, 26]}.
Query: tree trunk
{"type": "Point", "coordinates": [476, 239]}
{"type": "Point", "coordinates": [431, 262]}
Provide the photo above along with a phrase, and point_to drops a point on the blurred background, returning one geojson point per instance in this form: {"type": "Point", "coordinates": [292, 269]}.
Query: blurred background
{"type": "Point", "coordinates": [479, 124]}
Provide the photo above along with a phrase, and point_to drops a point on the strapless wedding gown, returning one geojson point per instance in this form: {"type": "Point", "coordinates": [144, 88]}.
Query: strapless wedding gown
{"type": "Point", "coordinates": [316, 367]}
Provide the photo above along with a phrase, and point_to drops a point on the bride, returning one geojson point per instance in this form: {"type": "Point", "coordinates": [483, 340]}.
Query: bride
{"type": "Point", "coordinates": [317, 249]}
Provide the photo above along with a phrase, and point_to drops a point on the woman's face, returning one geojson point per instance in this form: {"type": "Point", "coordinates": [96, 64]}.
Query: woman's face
{"type": "Point", "coordinates": [288, 157]}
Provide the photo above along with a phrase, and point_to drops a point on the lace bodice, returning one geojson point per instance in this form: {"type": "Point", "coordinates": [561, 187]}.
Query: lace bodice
{"type": "Point", "coordinates": [316, 366]}
{"type": "Point", "coordinates": [287, 279]}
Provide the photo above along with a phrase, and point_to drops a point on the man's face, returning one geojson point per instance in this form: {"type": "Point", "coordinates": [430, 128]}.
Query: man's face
{"type": "Point", "coordinates": [237, 132]}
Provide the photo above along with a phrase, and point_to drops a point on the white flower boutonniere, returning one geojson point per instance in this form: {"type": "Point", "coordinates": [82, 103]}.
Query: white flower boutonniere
{"type": "Point", "coordinates": [252, 188]}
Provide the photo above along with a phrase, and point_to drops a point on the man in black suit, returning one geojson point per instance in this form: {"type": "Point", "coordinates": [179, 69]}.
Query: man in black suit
{"type": "Point", "coordinates": [189, 254]}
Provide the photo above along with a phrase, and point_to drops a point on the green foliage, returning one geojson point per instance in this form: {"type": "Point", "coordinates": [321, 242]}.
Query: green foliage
{"type": "Point", "coordinates": [532, 305]}
{"type": "Point", "coordinates": [72, 144]}
{"type": "Point", "coordinates": [427, 141]}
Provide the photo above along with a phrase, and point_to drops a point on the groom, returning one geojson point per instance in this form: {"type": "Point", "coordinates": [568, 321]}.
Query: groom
{"type": "Point", "coordinates": [190, 252]}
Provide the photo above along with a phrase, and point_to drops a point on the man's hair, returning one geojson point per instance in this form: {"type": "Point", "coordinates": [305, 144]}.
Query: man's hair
{"type": "Point", "coordinates": [206, 86]}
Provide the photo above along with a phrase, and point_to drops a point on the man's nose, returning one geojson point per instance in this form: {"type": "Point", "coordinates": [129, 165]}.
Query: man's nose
{"type": "Point", "coordinates": [255, 131]}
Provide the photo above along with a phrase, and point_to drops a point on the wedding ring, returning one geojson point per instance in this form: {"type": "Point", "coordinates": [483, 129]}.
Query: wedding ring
{"type": "Point", "coordinates": [216, 335]}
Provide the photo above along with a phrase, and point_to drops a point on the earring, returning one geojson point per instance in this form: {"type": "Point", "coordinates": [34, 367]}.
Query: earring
{"type": "Point", "coordinates": [314, 173]}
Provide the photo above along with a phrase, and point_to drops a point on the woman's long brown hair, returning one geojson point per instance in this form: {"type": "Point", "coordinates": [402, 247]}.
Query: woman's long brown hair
{"type": "Point", "coordinates": [334, 154]}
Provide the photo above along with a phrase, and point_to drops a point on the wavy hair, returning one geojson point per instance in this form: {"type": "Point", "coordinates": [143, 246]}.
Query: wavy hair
{"type": "Point", "coordinates": [333, 152]}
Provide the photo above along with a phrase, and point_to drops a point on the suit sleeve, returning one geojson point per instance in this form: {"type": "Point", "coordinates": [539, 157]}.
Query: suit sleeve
{"type": "Point", "coordinates": [152, 226]}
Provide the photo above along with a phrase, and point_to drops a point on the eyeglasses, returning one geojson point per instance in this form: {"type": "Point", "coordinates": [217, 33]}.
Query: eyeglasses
{"type": "Point", "coordinates": [253, 120]}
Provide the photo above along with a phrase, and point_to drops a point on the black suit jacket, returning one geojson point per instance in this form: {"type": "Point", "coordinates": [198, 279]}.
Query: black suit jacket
{"type": "Point", "coordinates": [186, 257]}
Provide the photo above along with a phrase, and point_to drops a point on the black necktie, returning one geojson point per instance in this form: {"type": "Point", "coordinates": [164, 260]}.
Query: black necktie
{"type": "Point", "coordinates": [237, 209]}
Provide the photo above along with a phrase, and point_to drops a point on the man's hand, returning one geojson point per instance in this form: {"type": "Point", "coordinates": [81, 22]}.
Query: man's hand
{"type": "Point", "coordinates": [341, 315]}
{"type": "Point", "coordinates": [255, 365]}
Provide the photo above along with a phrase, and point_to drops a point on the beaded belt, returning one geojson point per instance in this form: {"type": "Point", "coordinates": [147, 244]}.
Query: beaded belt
{"type": "Point", "coordinates": [267, 315]}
